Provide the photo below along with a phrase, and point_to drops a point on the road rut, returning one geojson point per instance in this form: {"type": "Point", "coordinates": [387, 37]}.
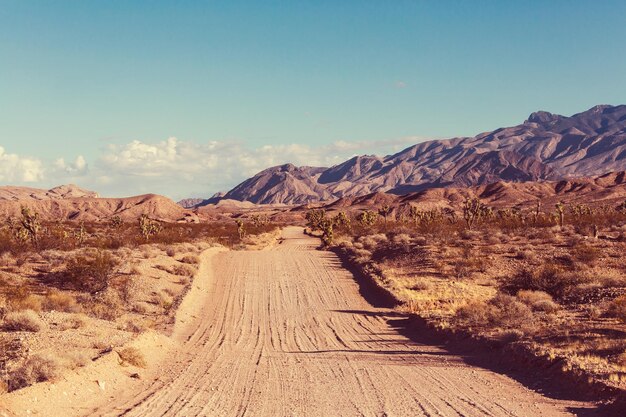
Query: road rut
{"type": "Point", "coordinates": [285, 332]}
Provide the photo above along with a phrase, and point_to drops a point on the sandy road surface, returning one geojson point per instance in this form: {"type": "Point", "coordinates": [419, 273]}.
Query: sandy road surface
{"type": "Point", "coordinates": [285, 332]}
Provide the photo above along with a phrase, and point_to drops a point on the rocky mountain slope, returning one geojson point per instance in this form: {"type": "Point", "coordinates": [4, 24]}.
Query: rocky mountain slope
{"type": "Point", "coordinates": [11, 193]}
{"type": "Point", "coordinates": [545, 147]}
{"type": "Point", "coordinates": [69, 202]}
{"type": "Point", "coordinates": [608, 189]}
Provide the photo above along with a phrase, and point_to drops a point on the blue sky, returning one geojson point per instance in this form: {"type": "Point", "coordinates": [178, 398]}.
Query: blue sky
{"type": "Point", "coordinates": [104, 85]}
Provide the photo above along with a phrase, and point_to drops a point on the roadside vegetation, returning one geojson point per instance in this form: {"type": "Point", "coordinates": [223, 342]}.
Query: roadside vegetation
{"type": "Point", "coordinates": [71, 292]}
{"type": "Point", "coordinates": [551, 280]}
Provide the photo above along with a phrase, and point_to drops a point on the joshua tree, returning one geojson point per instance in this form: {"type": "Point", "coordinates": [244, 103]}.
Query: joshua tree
{"type": "Point", "coordinates": [342, 220]}
{"type": "Point", "coordinates": [384, 211]}
{"type": "Point", "coordinates": [560, 211]}
{"type": "Point", "coordinates": [315, 218]}
{"type": "Point", "coordinates": [27, 227]}
{"type": "Point", "coordinates": [241, 228]}
{"type": "Point", "coordinates": [116, 221]}
{"type": "Point", "coordinates": [81, 234]}
{"type": "Point", "coordinates": [473, 210]}
{"type": "Point", "coordinates": [149, 227]}
{"type": "Point", "coordinates": [367, 218]}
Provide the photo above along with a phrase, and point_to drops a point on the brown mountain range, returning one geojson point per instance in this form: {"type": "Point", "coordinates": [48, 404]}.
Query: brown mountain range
{"type": "Point", "coordinates": [69, 202]}
{"type": "Point", "coordinates": [545, 147]}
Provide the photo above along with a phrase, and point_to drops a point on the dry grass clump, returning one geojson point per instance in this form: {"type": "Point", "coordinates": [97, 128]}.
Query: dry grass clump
{"type": "Point", "coordinates": [37, 368]}
{"type": "Point", "coordinates": [22, 321]}
{"type": "Point", "coordinates": [132, 356]}
{"type": "Point", "coordinates": [549, 278]}
{"type": "Point", "coordinates": [90, 272]}
{"type": "Point", "coordinates": [57, 300]}
{"type": "Point", "coordinates": [538, 301]}
{"type": "Point", "coordinates": [73, 322]}
{"type": "Point", "coordinates": [617, 308]}
{"type": "Point", "coordinates": [501, 311]}
{"type": "Point", "coordinates": [586, 254]}
{"type": "Point", "coordinates": [190, 259]}
{"type": "Point", "coordinates": [182, 270]}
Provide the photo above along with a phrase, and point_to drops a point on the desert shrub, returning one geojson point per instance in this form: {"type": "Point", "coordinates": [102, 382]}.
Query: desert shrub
{"type": "Point", "coordinates": [475, 313]}
{"type": "Point", "coordinates": [74, 322]}
{"type": "Point", "coordinates": [420, 285]}
{"type": "Point", "coordinates": [106, 305]}
{"type": "Point", "coordinates": [21, 300]}
{"type": "Point", "coordinates": [617, 308]}
{"type": "Point", "coordinates": [132, 356]}
{"type": "Point", "coordinates": [75, 359]}
{"type": "Point", "coordinates": [26, 321]}
{"type": "Point", "coordinates": [171, 252]}
{"type": "Point", "coordinates": [538, 300]}
{"type": "Point", "coordinates": [586, 254]}
{"type": "Point", "coordinates": [190, 259]}
{"type": "Point", "coordinates": [182, 270]}
{"type": "Point", "coordinates": [90, 273]}
{"type": "Point", "coordinates": [37, 368]}
{"type": "Point", "coordinates": [509, 312]}
{"type": "Point", "coordinates": [60, 301]}
{"type": "Point", "coordinates": [501, 311]}
{"type": "Point", "coordinates": [550, 279]}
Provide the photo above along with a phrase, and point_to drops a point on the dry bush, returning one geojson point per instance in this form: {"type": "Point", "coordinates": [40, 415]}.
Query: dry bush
{"type": "Point", "coordinates": [501, 311]}
{"type": "Point", "coordinates": [37, 368]}
{"type": "Point", "coordinates": [132, 356]}
{"type": "Point", "coordinates": [60, 301]}
{"type": "Point", "coordinates": [107, 305]}
{"type": "Point", "coordinates": [90, 273]}
{"type": "Point", "coordinates": [74, 322]}
{"type": "Point", "coordinates": [190, 259]}
{"type": "Point", "coordinates": [182, 270]}
{"type": "Point", "coordinates": [475, 313]}
{"type": "Point", "coordinates": [586, 254]}
{"type": "Point", "coordinates": [549, 278]}
{"type": "Point", "coordinates": [509, 312]}
{"type": "Point", "coordinates": [171, 252]}
{"type": "Point", "coordinates": [617, 308]}
{"type": "Point", "coordinates": [24, 302]}
{"type": "Point", "coordinates": [538, 301]}
{"type": "Point", "coordinates": [22, 321]}
{"type": "Point", "coordinates": [420, 285]}
{"type": "Point", "coordinates": [75, 359]}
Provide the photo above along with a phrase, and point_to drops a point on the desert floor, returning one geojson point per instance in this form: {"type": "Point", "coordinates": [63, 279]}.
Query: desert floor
{"type": "Point", "coordinates": [287, 331]}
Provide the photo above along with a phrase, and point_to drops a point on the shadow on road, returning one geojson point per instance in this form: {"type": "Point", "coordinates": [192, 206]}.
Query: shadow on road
{"type": "Point", "coordinates": [545, 381]}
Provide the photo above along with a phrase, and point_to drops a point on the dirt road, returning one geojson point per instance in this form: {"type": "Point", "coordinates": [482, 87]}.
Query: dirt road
{"type": "Point", "coordinates": [285, 332]}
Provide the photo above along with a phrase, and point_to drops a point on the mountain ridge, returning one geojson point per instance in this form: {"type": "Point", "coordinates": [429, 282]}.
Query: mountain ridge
{"type": "Point", "coordinates": [545, 147]}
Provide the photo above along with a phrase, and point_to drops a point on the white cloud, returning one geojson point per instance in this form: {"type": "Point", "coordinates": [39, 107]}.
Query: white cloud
{"type": "Point", "coordinates": [17, 169]}
{"type": "Point", "coordinates": [179, 168]}
{"type": "Point", "coordinates": [76, 168]}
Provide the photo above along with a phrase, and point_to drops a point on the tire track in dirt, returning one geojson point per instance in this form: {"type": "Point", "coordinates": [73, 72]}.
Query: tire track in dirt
{"type": "Point", "coordinates": [285, 332]}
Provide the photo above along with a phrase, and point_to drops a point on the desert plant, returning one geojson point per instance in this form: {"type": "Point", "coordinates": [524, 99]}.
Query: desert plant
{"type": "Point", "coordinates": [385, 211]}
{"type": "Point", "coordinates": [367, 218]}
{"type": "Point", "coordinates": [617, 308]}
{"type": "Point", "coordinates": [116, 222]}
{"type": "Point", "coordinates": [132, 356]}
{"type": "Point", "coordinates": [473, 210]}
{"type": "Point", "coordinates": [241, 228]}
{"type": "Point", "coordinates": [550, 279]}
{"type": "Point", "coordinates": [149, 227]}
{"type": "Point", "coordinates": [90, 272]}
{"type": "Point", "coordinates": [315, 218]}
{"type": "Point", "coordinates": [37, 368]}
{"type": "Point", "coordinates": [560, 212]}
{"type": "Point", "coordinates": [22, 321]}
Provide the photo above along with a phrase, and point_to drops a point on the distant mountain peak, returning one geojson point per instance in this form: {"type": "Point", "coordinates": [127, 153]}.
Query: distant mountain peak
{"type": "Point", "coordinates": [547, 146]}
{"type": "Point", "coordinates": [543, 117]}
